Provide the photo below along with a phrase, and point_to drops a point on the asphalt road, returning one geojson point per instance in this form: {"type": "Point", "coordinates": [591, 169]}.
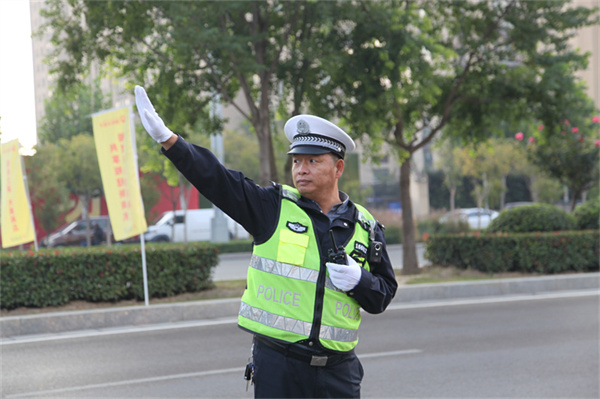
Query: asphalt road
{"type": "Point", "coordinates": [507, 347]}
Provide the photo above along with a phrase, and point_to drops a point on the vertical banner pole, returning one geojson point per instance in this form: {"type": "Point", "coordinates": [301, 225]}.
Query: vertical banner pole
{"type": "Point", "coordinates": [144, 270]}
{"type": "Point", "coordinates": [117, 156]}
{"type": "Point", "coordinates": [142, 240]}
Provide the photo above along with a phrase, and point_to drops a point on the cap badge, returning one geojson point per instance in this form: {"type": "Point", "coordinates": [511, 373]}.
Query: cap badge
{"type": "Point", "coordinates": [302, 127]}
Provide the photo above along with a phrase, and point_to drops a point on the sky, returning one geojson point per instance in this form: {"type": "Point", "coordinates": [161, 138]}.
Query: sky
{"type": "Point", "coordinates": [17, 99]}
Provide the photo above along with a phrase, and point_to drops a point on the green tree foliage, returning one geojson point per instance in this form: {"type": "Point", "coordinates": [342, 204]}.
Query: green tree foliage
{"type": "Point", "coordinates": [79, 170]}
{"type": "Point", "coordinates": [449, 164]}
{"type": "Point", "coordinates": [48, 193]}
{"type": "Point", "coordinates": [488, 165]}
{"type": "Point", "coordinates": [190, 53]}
{"type": "Point", "coordinates": [242, 153]}
{"type": "Point", "coordinates": [414, 68]}
{"type": "Point", "coordinates": [395, 71]}
{"type": "Point", "coordinates": [69, 112]}
{"type": "Point", "coordinates": [150, 195]}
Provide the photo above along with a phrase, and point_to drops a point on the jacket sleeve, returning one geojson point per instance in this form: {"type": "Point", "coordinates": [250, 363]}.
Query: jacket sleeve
{"type": "Point", "coordinates": [377, 287]}
{"type": "Point", "coordinates": [242, 199]}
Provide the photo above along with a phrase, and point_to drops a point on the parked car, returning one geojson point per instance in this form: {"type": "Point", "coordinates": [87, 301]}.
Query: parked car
{"type": "Point", "coordinates": [73, 234]}
{"type": "Point", "coordinates": [477, 218]}
{"type": "Point", "coordinates": [197, 228]}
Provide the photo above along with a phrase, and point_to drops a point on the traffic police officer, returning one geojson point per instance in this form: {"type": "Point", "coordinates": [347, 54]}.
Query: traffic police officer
{"type": "Point", "coordinates": [301, 303]}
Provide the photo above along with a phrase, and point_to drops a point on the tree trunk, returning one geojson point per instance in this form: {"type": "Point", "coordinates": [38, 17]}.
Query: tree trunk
{"type": "Point", "coordinates": [85, 204]}
{"type": "Point", "coordinates": [576, 195]}
{"type": "Point", "coordinates": [452, 199]}
{"type": "Point", "coordinates": [268, 170]}
{"type": "Point", "coordinates": [531, 185]}
{"type": "Point", "coordinates": [410, 263]}
{"type": "Point", "coordinates": [503, 193]}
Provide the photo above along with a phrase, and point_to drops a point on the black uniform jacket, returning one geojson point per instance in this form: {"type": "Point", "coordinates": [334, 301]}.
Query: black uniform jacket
{"type": "Point", "coordinates": [257, 210]}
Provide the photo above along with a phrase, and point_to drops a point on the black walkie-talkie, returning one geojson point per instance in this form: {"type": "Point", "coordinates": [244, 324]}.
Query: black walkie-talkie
{"type": "Point", "coordinates": [336, 254]}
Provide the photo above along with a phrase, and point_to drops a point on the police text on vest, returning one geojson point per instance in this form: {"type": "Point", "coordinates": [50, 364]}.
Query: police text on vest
{"type": "Point", "coordinates": [278, 296]}
{"type": "Point", "coordinates": [347, 310]}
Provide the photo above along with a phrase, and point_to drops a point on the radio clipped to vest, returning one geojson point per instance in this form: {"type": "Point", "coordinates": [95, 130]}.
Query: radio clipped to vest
{"type": "Point", "coordinates": [336, 254]}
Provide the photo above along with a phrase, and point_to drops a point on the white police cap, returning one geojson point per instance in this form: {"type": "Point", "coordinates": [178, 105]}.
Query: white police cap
{"type": "Point", "coordinates": [310, 134]}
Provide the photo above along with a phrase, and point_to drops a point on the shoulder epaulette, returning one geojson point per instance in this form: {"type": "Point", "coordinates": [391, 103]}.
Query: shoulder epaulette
{"type": "Point", "coordinates": [290, 193]}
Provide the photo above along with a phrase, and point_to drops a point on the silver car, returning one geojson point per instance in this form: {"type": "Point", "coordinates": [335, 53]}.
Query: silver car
{"type": "Point", "coordinates": [477, 218]}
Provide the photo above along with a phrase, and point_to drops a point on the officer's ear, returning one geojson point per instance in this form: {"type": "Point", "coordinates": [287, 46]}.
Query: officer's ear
{"type": "Point", "coordinates": [339, 166]}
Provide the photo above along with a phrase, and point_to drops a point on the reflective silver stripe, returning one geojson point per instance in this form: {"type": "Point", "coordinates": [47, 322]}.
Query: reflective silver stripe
{"type": "Point", "coordinates": [296, 326]}
{"type": "Point", "coordinates": [290, 195]}
{"type": "Point", "coordinates": [338, 334]}
{"type": "Point", "coordinates": [329, 284]}
{"type": "Point", "coordinates": [272, 320]}
{"type": "Point", "coordinates": [367, 224]}
{"type": "Point", "coordinates": [287, 270]}
{"type": "Point", "coordinates": [362, 217]}
{"type": "Point", "coordinates": [283, 269]}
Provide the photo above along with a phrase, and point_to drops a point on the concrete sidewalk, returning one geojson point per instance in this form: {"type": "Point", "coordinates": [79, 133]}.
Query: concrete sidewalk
{"type": "Point", "coordinates": [61, 322]}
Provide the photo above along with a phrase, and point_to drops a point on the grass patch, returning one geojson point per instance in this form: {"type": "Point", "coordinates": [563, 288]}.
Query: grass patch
{"type": "Point", "coordinates": [436, 274]}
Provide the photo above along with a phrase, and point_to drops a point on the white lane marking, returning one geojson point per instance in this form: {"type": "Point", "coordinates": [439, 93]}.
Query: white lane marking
{"type": "Point", "coordinates": [214, 322]}
{"type": "Point", "coordinates": [115, 331]}
{"type": "Point", "coordinates": [392, 353]}
{"type": "Point", "coordinates": [180, 376]}
{"type": "Point", "coordinates": [128, 382]}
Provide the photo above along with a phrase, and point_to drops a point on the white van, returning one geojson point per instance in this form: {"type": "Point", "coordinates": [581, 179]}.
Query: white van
{"type": "Point", "coordinates": [198, 226]}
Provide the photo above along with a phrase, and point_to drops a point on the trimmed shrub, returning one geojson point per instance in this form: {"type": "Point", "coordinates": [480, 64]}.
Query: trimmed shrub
{"type": "Point", "coordinates": [53, 277]}
{"type": "Point", "coordinates": [587, 215]}
{"type": "Point", "coordinates": [532, 218]}
{"type": "Point", "coordinates": [434, 226]}
{"type": "Point", "coordinates": [544, 253]}
{"type": "Point", "coordinates": [393, 235]}
{"type": "Point", "coordinates": [233, 246]}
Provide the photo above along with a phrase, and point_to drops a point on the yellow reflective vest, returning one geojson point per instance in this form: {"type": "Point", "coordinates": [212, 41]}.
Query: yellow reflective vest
{"type": "Point", "coordinates": [286, 281]}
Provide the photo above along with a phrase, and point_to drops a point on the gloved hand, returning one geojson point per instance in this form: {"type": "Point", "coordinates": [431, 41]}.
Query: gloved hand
{"type": "Point", "coordinates": [344, 277]}
{"type": "Point", "coordinates": [153, 124]}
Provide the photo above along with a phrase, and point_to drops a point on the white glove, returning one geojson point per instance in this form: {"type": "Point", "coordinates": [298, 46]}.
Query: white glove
{"type": "Point", "coordinates": [153, 124]}
{"type": "Point", "coordinates": [344, 277]}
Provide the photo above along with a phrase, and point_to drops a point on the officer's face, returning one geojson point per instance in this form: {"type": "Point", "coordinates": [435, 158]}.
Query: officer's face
{"type": "Point", "coordinates": [315, 175]}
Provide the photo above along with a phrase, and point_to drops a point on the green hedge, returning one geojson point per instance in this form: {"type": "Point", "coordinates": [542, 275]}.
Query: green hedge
{"type": "Point", "coordinates": [53, 277]}
{"type": "Point", "coordinates": [587, 215]}
{"type": "Point", "coordinates": [233, 246]}
{"type": "Point", "coordinates": [544, 253]}
{"type": "Point", "coordinates": [530, 218]}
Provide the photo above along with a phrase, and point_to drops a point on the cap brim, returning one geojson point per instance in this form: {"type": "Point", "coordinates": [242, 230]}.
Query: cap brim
{"type": "Point", "coordinates": [308, 150]}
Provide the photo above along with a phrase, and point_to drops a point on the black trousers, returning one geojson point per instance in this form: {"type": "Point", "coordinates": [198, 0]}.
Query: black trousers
{"type": "Point", "coordinates": [279, 376]}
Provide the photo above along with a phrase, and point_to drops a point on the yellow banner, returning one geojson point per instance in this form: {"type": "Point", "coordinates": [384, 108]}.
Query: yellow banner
{"type": "Point", "coordinates": [17, 225]}
{"type": "Point", "coordinates": [114, 145]}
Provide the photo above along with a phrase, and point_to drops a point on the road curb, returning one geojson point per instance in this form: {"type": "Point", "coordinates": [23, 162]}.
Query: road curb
{"type": "Point", "coordinates": [509, 286]}
{"type": "Point", "coordinates": [61, 322]}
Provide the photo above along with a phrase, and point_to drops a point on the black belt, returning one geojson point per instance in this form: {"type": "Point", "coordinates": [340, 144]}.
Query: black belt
{"type": "Point", "coordinates": [296, 352]}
